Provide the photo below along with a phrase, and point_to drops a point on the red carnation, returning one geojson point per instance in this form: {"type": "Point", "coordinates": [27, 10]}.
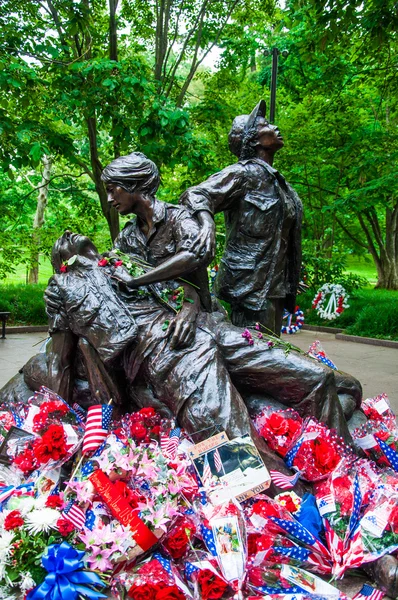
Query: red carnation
{"type": "Point", "coordinates": [63, 268]}
{"type": "Point", "coordinates": [52, 445]}
{"type": "Point", "coordinates": [54, 501]}
{"type": "Point", "coordinates": [103, 262]}
{"type": "Point", "coordinates": [212, 586]}
{"type": "Point", "coordinates": [118, 263]}
{"type": "Point", "coordinates": [26, 461]}
{"type": "Point", "coordinates": [64, 526]}
{"type": "Point", "coordinates": [13, 520]}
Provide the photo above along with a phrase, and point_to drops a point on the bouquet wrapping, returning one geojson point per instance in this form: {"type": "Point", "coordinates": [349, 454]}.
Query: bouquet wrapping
{"type": "Point", "coordinates": [155, 579]}
{"type": "Point", "coordinates": [317, 451]}
{"type": "Point", "coordinates": [339, 502]}
{"type": "Point", "coordinates": [278, 427]}
{"type": "Point", "coordinates": [270, 519]}
{"type": "Point", "coordinates": [379, 409]}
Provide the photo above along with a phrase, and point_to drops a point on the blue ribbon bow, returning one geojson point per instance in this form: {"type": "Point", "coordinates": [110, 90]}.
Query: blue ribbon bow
{"type": "Point", "coordinates": [64, 579]}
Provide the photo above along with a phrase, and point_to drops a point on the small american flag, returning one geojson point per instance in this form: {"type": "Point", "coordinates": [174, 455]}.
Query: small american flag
{"type": "Point", "coordinates": [97, 426]}
{"type": "Point", "coordinates": [286, 482]}
{"type": "Point", "coordinates": [81, 413]}
{"type": "Point", "coordinates": [206, 471]}
{"type": "Point", "coordinates": [355, 509]}
{"type": "Point", "coordinates": [217, 461]}
{"type": "Point", "coordinates": [367, 592]}
{"type": "Point", "coordinates": [326, 504]}
{"type": "Point", "coordinates": [74, 514]}
{"type": "Point", "coordinates": [169, 443]}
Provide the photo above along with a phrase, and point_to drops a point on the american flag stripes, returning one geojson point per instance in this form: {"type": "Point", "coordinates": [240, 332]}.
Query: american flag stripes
{"type": "Point", "coordinates": [217, 461]}
{"type": "Point", "coordinates": [166, 564]}
{"type": "Point", "coordinates": [389, 453]}
{"type": "Point", "coordinates": [169, 443]}
{"type": "Point", "coordinates": [97, 426]}
{"type": "Point", "coordinates": [367, 592]}
{"type": "Point", "coordinates": [80, 412]}
{"type": "Point", "coordinates": [326, 504]}
{"type": "Point", "coordinates": [74, 514]}
{"type": "Point", "coordinates": [286, 482]}
{"type": "Point", "coordinates": [206, 470]}
{"type": "Point", "coordinates": [356, 508]}
{"type": "Point", "coordinates": [294, 529]}
{"type": "Point", "coordinates": [291, 455]}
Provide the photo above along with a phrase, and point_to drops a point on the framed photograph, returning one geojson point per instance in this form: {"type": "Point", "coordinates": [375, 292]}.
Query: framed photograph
{"type": "Point", "coordinates": [15, 439]}
{"type": "Point", "coordinates": [230, 468]}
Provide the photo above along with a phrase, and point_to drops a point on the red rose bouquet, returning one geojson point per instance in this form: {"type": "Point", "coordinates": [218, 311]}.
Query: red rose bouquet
{"type": "Point", "coordinates": [46, 408]}
{"type": "Point", "coordinates": [373, 437]}
{"type": "Point", "coordinates": [270, 519]}
{"type": "Point", "coordinates": [267, 578]}
{"type": "Point", "coordinates": [178, 539]}
{"type": "Point", "coordinates": [155, 579]}
{"type": "Point", "coordinates": [339, 501]}
{"type": "Point", "coordinates": [378, 409]}
{"type": "Point", "coordinates": [205, 579]}
{"type": "Point", "coordinates": [379, 523]}
{"type": "Point", "coordinates": [317, 451]}
{"type": "Point", "coordinates": [224, 532]}
{"type": "Point", "coordinates": [278, 427]}
{"type": "Point", "coordinates": [278, 549]}
{"type": "Point", "coordinates": [57, 432]}
{"type": "Point", "coordinates": [142, 426]}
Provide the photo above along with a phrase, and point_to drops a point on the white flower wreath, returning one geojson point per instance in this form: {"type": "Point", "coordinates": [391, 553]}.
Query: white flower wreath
{"type": "Point", "coordinates": [335, 297]}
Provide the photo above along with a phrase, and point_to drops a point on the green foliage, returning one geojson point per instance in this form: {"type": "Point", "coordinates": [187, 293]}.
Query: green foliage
{"type": "Point", "coordinates": [320, 270]}
{"type": "Point", "coordinates": [25, 303]}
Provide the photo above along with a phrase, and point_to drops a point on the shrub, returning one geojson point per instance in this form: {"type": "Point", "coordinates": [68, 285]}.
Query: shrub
{"type": "Point", "coordinates": [25, 303]}
{"type": "Point", "coordinates": [320, 270]}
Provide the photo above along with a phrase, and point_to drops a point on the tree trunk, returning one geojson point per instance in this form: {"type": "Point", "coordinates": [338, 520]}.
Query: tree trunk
{"type": "Point", "coordinates": [110, 214]}
{"type": "Point", "coordinates": [33, 276]}
{"type": "Point", "coordinates": [387, 274]}
{"type": "Point", "coordinates": [384, 249]}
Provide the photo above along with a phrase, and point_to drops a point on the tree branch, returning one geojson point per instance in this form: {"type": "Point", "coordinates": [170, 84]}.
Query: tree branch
{"type": "Point", "coordinates": [350, 235]}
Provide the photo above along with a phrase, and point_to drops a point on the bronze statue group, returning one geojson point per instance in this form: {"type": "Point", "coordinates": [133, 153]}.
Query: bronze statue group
{"type": "Point", "coordinates": [113, 335]}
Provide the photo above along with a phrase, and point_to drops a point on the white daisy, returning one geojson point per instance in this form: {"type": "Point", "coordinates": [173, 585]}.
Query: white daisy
{"type": "Point", "coordinates": [41, 520]}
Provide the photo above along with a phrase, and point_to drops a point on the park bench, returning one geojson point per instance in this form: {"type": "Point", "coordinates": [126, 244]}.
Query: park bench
{"type": "Point", "coordinates": [3, 318]}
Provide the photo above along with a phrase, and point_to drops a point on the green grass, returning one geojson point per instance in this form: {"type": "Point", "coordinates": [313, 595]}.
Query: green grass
{"type": "Point", "coordinates": [362, 266]}
{"type": "Point", "coordinates": [21, 273]}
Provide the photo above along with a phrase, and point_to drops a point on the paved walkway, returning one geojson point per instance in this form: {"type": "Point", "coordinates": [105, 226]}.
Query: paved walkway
{"type": "Point", "coordinates": [375, 367]}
